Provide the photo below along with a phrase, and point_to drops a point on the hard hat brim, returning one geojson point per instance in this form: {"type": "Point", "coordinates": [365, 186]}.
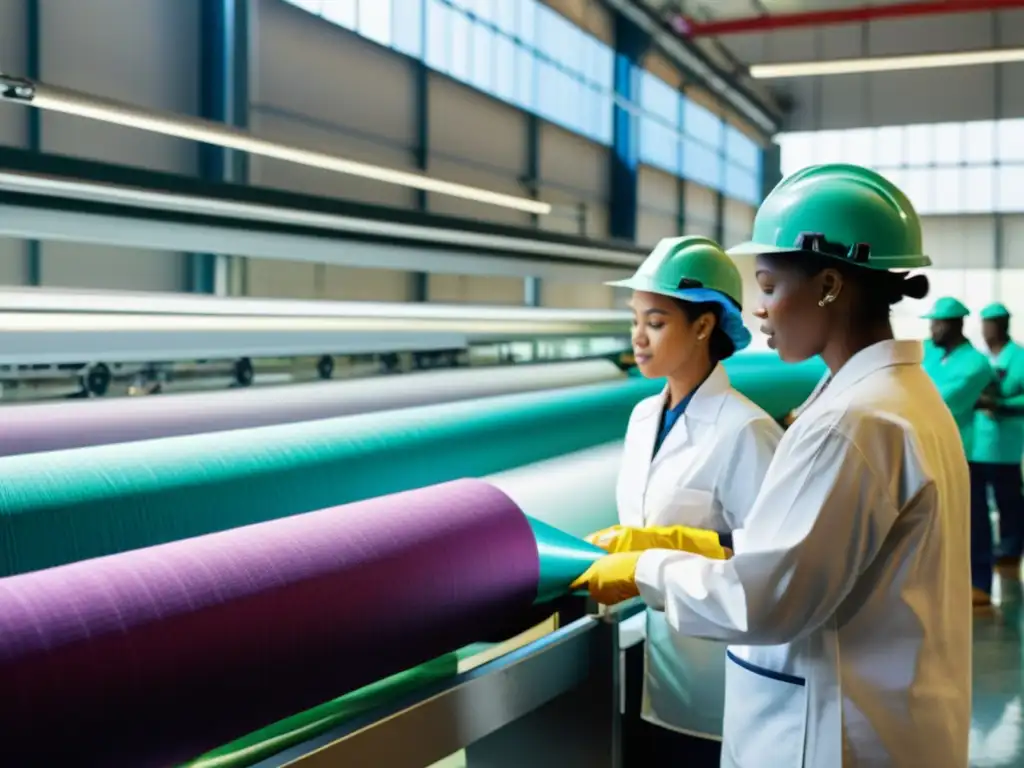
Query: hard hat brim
{"type": "Point", "coordinates": [880, 263]}
{"type": "Point", "coordinates": [732, 317]}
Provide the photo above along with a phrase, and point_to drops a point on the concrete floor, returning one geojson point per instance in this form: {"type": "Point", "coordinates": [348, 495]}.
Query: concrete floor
{"type": "Point", "coordinates": [997, 722]}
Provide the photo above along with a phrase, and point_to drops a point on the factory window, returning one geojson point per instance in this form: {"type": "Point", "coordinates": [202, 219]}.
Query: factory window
{"type": "Point", "coordinates": [660, 137]}
{"type": "Point", "coordinates": [519, 51]}
{"type": "Point", "coordinates": [681, 137]}
{"type": "Point", "coordinates": [945, 168]}
{"type": "Point", "coordinates": [743, 167]}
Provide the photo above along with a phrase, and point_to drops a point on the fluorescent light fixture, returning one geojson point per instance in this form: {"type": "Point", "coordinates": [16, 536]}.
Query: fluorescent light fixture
{"type": "Point", "coordinates": [70, 102]}
{"type": "Point", "coordinates": [885, 64]}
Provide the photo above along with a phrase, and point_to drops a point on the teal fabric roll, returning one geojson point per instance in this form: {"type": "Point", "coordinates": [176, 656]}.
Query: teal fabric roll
{"type": "Point", "coordinates": [70, 505]}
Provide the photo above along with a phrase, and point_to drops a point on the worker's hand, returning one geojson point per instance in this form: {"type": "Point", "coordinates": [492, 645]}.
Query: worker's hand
{"type": "Point", "coordinates": [607, 538]}
{"type": "Point", "coordinates": [620, 538]}
{"type": "Point", "coordinates": [612, 579]}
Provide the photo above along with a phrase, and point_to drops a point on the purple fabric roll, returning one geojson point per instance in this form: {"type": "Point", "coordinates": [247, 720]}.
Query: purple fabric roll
{"type": "Point", "coordinates": [150, 657]}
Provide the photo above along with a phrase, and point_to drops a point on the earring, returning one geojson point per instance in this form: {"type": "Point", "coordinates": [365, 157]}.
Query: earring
{"type": "Point", "coordinates": [701, 337]}
{"type": "Point", "coordinates": [827, 300]}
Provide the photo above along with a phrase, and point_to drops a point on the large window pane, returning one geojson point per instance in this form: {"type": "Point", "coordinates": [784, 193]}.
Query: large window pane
{"type": "Point", "coordinates": [701, 164]}
{"type": "Point", "coordinates": [702, 124]}
{"type": "Point", "coordinates": [830, 147]}
{"type": "Point", "coordinates": [438, 16]}
{"type": "Point", "coordinates": [949, 144]}
{"type": "Point", "coordinates": [979, 189]}
{"type": "Point", "coordinates": [527, 24]}
{"type": "Point", "coordinates": [504, 68]}
{"type": "Point", "coordinates": [312, 6]}
{"type": "Point", "coordinates": [375, 20]}
{"type": "Point", "coordinates": [483, 58]}
{"type": "Point", "coordinates": [1010, 140]}
{"type": "Point", "coordinates": [505, 16]}
{"type": "Point", "coordinates": [526, 76]}
{"type": "Point", "coordinates": [919, 144]}
{"type": "Point", "coordinates": [889, 144]}
{"type": "Point", "coordinates": [407, 26]}
{"type": "Point", "coordinates": [980, 142]}
{"type": "Point", "coordinates": [917, 184]}
{"type": "Point", "coordinates": [599, 63]}
{"type": "Point", "coordinates": [740, 149]}
{"type": "Point", "coordinates": [859, 147]}
{"type": "Point", "coordinates": [947, 186]}
{"type": "Point", "coordinates": [1010, 196]}
{"type": "Point", "coordinates": [741, 184]}
{"type": "Point", "coordinates": [340, 12]}
{"type": "Point", "coordinates": [605, 112]}
{"type": "Point", "coordinates": [482, 9]}
{"type": "Point", "coordinates": [797, 151]}
{"type": "Point", "coordinates": [461, 44]}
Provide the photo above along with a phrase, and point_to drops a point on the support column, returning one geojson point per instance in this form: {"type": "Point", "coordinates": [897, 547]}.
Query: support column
{"type": "Point", "coordinates": [224, 97]}
{"type": "Point", "coordinates": [680, 176]}
{"type": "Point", "coordinates": [771, 168]}
{"type": "Point", "coordinates": [631, 43]}
{"type": "Point", "coordinates": [421, 94]}
{"type": "Point", "coordinates": [532, 285]}
{"type": "Point", "coordinates": [34, 131]}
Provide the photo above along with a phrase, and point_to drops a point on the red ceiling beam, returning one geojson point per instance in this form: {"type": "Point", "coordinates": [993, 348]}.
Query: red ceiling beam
{"type": "Point", "coordinates": [769, 23]}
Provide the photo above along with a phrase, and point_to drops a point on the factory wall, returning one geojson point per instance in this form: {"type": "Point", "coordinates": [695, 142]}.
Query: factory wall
{"type": "Point", "coordinates": [896, 98]}
{"type": "Point", "coordinates": [143, 51]}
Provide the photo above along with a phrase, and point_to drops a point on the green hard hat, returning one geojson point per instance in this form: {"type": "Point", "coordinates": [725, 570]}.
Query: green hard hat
{"type": "Point", "coordinates": [995, 311]}
{"type": "Point", "coordinates": [947, 308]}
{"type": "Point", "coordinates": [696, 269]}
{"type": "Point", "coordinates": [843, 211]}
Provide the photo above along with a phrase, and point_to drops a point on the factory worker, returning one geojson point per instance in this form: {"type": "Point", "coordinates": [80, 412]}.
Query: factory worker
{"type": "Point", "coordinates": [962, 374]}
{"type": "Point", "coordinates": [998, 445]}
{"type": "Point", "coordinates": [847, 600]}
{"type": "Point", "coordinates": [694, 456]}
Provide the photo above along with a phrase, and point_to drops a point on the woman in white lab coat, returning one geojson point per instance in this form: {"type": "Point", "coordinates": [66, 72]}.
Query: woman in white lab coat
{"type": "Point", "coordinates": [848, 599]}
{"type": "Point", "coordinates": [694, 456]}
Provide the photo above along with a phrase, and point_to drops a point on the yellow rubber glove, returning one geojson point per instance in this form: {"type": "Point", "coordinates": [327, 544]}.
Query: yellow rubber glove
{"type": "Point", "coordinates": [611, 579]}
{"type": "Point", "coordinates": [620, 538]}
{"type": "Point", "coordinates": [606, 538]}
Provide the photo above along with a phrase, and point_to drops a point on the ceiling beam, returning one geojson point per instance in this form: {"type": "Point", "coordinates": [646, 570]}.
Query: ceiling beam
{"type": "Point", "coordinates": [688, 27]}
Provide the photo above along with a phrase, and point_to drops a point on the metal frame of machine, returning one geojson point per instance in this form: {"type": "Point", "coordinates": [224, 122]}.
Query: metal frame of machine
{"type": "Point", "coordinates": [97, 336]}
{"type": "Point", "coordinates": [551, 703]}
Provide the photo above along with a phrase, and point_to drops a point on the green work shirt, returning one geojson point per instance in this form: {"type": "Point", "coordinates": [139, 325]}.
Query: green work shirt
{"type": "Point", "coordinates": [960, 375]}
{"type": "Point", "coordinates": [999, 438]}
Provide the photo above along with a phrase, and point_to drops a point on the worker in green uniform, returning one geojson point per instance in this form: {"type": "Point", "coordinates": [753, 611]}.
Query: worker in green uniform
{"type": "Point", "coordinates": [999, 437]}
{"type": "Point", "coordinates": [962, 374]}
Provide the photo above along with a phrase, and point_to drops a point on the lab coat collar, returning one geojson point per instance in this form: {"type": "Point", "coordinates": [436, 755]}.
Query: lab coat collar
{"type": "Point", "coordinates": [884, 354]}
{"type": "Point", "coordinates": [704, 405]}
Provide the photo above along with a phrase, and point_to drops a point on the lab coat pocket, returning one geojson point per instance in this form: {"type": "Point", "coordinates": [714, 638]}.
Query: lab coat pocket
{"type": "Point", "coordinates": [765, 716]}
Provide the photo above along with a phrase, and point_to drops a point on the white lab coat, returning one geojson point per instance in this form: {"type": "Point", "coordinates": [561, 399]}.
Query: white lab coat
{"type": "Point", "coordinates": [850, 587]}
{"type": "Point", "coordinates": [705, 475]}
